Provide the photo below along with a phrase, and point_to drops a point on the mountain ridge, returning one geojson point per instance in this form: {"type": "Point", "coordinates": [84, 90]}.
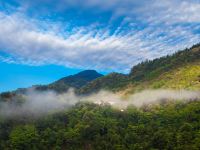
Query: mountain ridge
{"type": "Point", "coordinates": [142, 76]}
{"type": "Point", "coordinates": [75, 81]}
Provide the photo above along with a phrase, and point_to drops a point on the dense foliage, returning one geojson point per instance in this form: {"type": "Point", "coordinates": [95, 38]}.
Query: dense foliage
{"type": "Point", "coordinates": [112, 81]}
{"type": "Point", "coordinates": [172, 125]}
{"type": "Point", "coordinates": [185, 77]}
{"type": "Point", "coordinates": [151, 69]}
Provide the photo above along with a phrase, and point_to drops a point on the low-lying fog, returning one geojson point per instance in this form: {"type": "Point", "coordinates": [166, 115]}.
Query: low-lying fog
{"type": "Point", "coordinates": [37, 103]}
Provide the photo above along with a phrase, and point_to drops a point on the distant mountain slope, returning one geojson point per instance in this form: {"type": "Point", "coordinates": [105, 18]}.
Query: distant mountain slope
{"type": "Point", "coordinates": [73, 81]}
{"type": "Point", "coordinates": [62, 85]}
{"type": "Point", "coordinates": [180, 70]}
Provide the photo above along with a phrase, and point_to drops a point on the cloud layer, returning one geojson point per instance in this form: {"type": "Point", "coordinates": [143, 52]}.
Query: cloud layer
{"type": "Point", "coordinates": [147, 30]}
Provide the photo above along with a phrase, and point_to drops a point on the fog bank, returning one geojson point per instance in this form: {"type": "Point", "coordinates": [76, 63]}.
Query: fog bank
{"type": "Point", "coordinates": [40, 103]}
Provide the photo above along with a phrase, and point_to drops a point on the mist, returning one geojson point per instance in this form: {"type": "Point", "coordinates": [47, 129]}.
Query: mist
{"type": "Point", "coordinates": [40, 103]}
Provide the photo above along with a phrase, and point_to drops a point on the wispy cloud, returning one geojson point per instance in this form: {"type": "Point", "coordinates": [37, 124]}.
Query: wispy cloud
{"type": "Point", "coordinates": [150, 30]}
{"type": "Point", "coordinates": [163, 10]}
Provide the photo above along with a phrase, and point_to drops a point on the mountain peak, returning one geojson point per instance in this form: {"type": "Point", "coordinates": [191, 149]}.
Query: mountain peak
{"type": "Point", "coordinates": [87, 71]}
{"type": "Point", "coordinates": [73, 81]}
{"type": "Point", "coordinates": [88, 74]}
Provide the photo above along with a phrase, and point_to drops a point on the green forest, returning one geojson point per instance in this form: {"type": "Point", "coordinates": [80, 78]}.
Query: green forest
{"type": "Point", "coordinates": [169, 125]}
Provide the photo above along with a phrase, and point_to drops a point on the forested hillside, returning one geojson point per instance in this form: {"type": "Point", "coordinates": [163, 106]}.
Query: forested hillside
{"type": "Point", "coordinates": [152, 69]}
{"type": "Point", "coordinates": [100, 127]}
{"type": "Point", "coordinates": [113, 81]}
{"type": "Point", "coordinates": [181, 67]}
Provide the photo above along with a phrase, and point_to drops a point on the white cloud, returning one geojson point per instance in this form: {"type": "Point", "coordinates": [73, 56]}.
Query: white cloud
{"type": "Point", "coordinates": [172, 11]}
{"type": "Point", "coordinates": [88, 47]}
{"type": "Point", "coordinates": [168, 11]}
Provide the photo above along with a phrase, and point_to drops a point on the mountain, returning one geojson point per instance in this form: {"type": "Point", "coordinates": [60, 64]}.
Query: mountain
{"type": "Point", "coordinates": [62, 85]}
{"type": "Point", "coordinates": [73, 81]}
{"type": "Point", "coordinates": [180, 70]}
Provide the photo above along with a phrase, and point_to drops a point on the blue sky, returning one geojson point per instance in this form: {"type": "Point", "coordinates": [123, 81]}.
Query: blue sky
{"type": "Point", "coordinates": [43, 40]}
